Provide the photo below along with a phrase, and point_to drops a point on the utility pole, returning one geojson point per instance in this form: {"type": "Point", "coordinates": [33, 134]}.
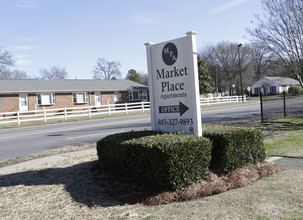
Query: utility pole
{"type": "Point", "coordinates": [240, 71]}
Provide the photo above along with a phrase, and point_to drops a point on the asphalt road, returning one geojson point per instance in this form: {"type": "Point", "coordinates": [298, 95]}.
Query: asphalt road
{"type": "Point", "coordinates": [214, 115]}
{"type": "Point", "coordinates": [25, 141]}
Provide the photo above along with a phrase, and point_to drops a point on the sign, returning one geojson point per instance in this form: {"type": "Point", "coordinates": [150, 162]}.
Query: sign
{"type": "Point", "coordinates": [174, 85]}
{"type": "Point", "coordinates": [181, 108]}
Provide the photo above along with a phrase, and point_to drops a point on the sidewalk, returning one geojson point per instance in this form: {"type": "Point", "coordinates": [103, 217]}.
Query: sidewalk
{"type": "Point", "coordinates": [288, 163]}
{"type": "Point", "coordinates": [36, 163]}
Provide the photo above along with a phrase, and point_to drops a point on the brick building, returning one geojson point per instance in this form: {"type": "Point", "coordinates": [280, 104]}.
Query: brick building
{"type": "Point", "coordinates": [27, 95]}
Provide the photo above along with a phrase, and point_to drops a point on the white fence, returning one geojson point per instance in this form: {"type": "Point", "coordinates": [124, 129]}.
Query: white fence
{"type": "Point", "coordinates": [89, 111]}
{"type": "Point", "coordinates": [220, 100]}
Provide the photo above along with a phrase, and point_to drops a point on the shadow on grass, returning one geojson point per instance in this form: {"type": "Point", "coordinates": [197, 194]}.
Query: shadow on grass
{"type": "Point", "coordinates": [291, 123]}
{"type": "Point", "coordinates": [280, 126]}
{"type": "Point", "coordinates": [87, 185]}
{"type": "Point", "coordinates": [84, 182]}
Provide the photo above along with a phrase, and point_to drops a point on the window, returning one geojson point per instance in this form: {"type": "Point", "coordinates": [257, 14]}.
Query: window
{"type": "Point", "coordinates": [134, 95]}
{"type": "Point", "coordinates": [80, 97]}
{"type": "Point", "coordinates": [46, 99]}
{"type": "Point", "coordinates": [116, 96]}
{"type": "Point", "coordinates": [257, 91]}
{"type": "Point", "coordinates": [273, 89]}
{"type": "Point", "coordinates": [144, 96]}
{"type": "Point", "coordinates": [1, 100]}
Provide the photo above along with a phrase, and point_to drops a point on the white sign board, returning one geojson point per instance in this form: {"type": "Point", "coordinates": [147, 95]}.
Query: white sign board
{"type": "Point", "coordinates": [174, 85]}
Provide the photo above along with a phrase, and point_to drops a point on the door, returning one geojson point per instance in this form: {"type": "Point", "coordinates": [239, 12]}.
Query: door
{"type": "Point", "coordinates": [97, 98]}
{"type": "Point", "coordinates": [23, 102]}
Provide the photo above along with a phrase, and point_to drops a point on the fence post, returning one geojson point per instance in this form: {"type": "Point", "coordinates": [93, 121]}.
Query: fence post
{"type": "Point", "coordinates": [284, 103]}
{"type": "Point", "coordinates": [126, 110]}
{"type": "Point", "coordinates": [65, 114]}
{"type": "Point", "coordinates": [261, 105]}
{"type": "Point", "coordinates": [237, 99]}
{"type": "Point", "coordinates": [89, 112]}
{"type": "Point", "coordinates": [18, 117]}
{"type": "Point", "coordinates": [207, 101]}
{"type": "Point", "coordinates": [44, 114]}
{"type": "Point", "coordinates": [142, 103]}
{"type": "Point", "coordinates": [108, 105]}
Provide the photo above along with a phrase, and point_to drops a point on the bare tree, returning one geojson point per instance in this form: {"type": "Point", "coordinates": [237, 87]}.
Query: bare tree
{"type": "Point", "coordinates": [266, 88]}
{"type": "Point", "coordinates": [281, 31]}
{"type": "Point", "coordinates": [227, 57]}
{"type": "Point", "coordinates": [55, 73]}
{"type": "Point", "coordinates": [107, 70]}
{"type": "Point", "coordinates": [6, 61]}
{"type": "Point", "coordinates": [144, 77]}
{"type": "Point", "coordinates": [260, 59]}
{"type": "Point", "coordinates": [276, 67]}
{"type": "Point", "coordinates": [208, 54]}
{"type": "Point", "coordinates": [19, 74]}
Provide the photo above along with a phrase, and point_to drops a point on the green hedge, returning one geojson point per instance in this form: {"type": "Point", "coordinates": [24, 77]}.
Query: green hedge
{"type": "Point", "coordinates": [295, 90]}
{"type": "Point", "coordinates": [109, 150]}
{"type": "Point", "coordinates": [158, 161]}
{"type": "Point", "coordinates": [234, 147]}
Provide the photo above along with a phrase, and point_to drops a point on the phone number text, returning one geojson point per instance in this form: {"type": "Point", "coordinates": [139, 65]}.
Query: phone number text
{"type": "Point", "coordinates": [175, 121]}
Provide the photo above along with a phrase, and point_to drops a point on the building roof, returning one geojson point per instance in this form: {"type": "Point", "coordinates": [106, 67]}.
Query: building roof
{"type": "Point", "coordinates": [79, 85]}
{"type": "Point", "coordinates": [283, 80]}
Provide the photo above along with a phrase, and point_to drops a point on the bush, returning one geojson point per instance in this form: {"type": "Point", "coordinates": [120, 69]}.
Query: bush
{"type": "Point", "coordinates": [295, 90]}
{"type": "Point", "coordinates": [234, 147]}
{"type": "Point", "coordinates": [159, 162]}
{"type": "Point", "coordinates": [111, 154]}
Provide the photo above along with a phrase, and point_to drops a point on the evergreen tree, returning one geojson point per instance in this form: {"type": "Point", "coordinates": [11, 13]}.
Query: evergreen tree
{"type": "Point", "coordinates": [134, 76]}
{"type": "Point", "coordinates": [206, 83]}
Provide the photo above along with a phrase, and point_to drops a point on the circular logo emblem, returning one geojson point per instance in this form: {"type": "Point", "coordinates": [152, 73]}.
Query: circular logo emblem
{"type": "Point", "coordinates": [169, 54]}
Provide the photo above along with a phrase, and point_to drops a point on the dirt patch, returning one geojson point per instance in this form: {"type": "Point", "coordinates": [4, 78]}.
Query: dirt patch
{"type": "Point", "coordinates": [217, 184]}
{"type": "Point", "coordinates": [214, 184]}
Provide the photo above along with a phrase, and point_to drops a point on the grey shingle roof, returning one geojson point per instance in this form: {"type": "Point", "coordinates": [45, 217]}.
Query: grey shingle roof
{"type": "Point", "coordinates": [283, 80]}
{"type": "Point", "coordinates": [34, 86]}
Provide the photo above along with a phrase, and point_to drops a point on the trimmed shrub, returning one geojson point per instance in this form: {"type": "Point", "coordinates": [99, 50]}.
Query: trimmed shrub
{"type": "Point", "coordinates": [295, 90]}
{"type": "Point", "coordinates": [110, 153]}
{"type": "Point", "coordinates": [159, 162]}
{"type": "Point", "coordinates": [234, 147]}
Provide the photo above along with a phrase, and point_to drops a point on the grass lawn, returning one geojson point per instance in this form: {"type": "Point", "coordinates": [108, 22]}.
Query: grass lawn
{"type": "Point", "coordinates": [283, 137]}
{"type": "Point", "coordinates": [273, 197]}
{"type": "Point", "coordinates": [68, 189]}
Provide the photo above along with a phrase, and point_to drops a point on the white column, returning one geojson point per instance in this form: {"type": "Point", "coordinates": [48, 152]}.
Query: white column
{"type": "Point", "coordinates": [150, 81]}
{"type": "Point", "coordinates": [191, 35]}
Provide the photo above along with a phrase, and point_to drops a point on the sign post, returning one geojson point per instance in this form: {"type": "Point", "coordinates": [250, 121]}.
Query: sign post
{"type": "Point", "coordinates": [174, 85]}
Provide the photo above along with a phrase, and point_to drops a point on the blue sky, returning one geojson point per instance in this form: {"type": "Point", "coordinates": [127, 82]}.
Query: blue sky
{"type": "Point", "coordinates": [75, 33]}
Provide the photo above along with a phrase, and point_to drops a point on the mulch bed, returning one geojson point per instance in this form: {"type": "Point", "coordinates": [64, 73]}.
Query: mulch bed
{"type": "Point", "coordinates": [214, 184]}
